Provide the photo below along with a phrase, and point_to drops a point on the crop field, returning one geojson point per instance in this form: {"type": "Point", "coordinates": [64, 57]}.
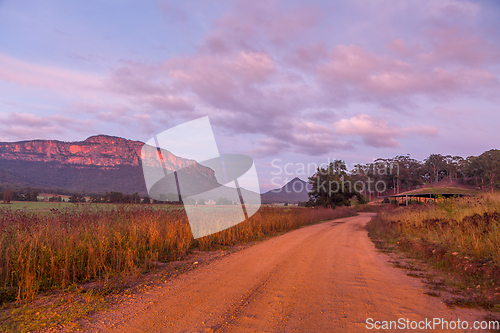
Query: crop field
{"type": "Point", "coordinates": [46, 246]}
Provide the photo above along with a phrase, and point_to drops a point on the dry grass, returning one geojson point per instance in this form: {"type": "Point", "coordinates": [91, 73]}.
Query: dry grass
{"type": "Point", "coordinates": [470, 225]}
{"type": "Point", "coordinates": [459, 236]}
{"type": "Point", "coordinates": [59, 248]}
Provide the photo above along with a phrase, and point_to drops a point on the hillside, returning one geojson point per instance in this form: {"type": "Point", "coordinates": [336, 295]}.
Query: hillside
{"type": "Point", "coordinates": [294, 191]}
{"type": "Point", "coordinates": [100, 163]}
{"type": "Point", "coordinates": [443, 188]}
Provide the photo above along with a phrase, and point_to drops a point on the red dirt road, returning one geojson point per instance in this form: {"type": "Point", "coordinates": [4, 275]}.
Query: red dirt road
{"type": "Point", "coordinates": [323, 278]}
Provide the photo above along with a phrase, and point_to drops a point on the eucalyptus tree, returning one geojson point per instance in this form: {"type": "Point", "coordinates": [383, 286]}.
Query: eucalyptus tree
{"type": "Point", "coordinates": [332, 186]}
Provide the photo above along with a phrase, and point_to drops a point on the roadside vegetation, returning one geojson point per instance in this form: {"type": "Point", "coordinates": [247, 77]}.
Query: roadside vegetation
{"type": "Point", "coordinates": [59, 248]}
{"type": "Point", "coordinates": [460, 237]}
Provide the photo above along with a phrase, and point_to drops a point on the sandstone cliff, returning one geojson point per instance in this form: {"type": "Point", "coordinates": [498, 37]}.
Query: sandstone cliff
{"type": "Point", "coordinates": [98, 164]}
{"type": "Point", "coordinates": [100, 150]}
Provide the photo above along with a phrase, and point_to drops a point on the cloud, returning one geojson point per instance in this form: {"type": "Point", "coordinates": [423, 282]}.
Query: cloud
{"type": "Point", "coordinates": [54, 78]}
{"type": "Point", "coordinates": [309, 138]}
{"type": "Point", "coordinates": [27, 125]}
{"type": "Point", "coordinates": [307, 57]}
{"type": "Point", "coordinates": [423, 131]}
{"type": "Point", "coordinates": [352, 73]}
{"type": "Point", "coordinates": [243, 84]}
{"type": "Point", "coordinates": [376, 132]}
{"type": "Point", "coordinates": [397, 46]}
{"type": "Point", "coordinates": [455, 9]}
{"type": "Point", "coordinates": [269, 147]}
{"type": "Point", "coordinates": [254, 25]}
{"type": "Point", "coordinates": [250, 82]}
{"type": "Point", "coordinates": [458, 45]}
{"type": "Point", "coordinates": [286, 75]}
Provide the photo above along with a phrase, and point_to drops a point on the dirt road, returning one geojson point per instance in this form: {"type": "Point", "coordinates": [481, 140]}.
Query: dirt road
{"type": "Point", "coordinates": [324, 278]}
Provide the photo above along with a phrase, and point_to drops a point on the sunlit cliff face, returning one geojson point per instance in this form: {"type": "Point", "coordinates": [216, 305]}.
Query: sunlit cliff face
{"type": "Point", "coordinates": [101, 150]}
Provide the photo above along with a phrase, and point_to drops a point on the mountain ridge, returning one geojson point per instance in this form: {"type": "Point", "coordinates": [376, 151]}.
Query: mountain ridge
{"type": "Point", "coordinates": [295, 191]}
{"type": "Point", "coordinates": [97, 150]}
{"type": "Point", "coordinates": [103, 163]}
{"type": "Point", "coordinates": [98, 164]}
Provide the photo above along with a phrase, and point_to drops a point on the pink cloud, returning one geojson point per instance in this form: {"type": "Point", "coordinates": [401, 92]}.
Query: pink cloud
{"type": "Point", "coordinates": [53, 78]}
{"type": "Point", "coordinates": [377, 132]}
{"type": "Point", "coordinates": [244, 67]}
{"type": "Point", "coordinates": [252, 23]}
{"type": "Point", "coordinates": [459, 45]}
{"type": "Point", "coordinates": [424, 131]}
{"type": "Point", "coordinates": [374, 132]}
{"type": "Point", "coordinates": [352, 72]}
{"type": "Point", "coordinates": [270, 146]}
{"type": "Point", "coordinates": [245, 81]}
{"type": "Point", "coordinates": [31, 126]}
{"type": "Point", "coordinates": [397, 46]}
{"type": "Point", "coordinates": [307, 57]}
{"type": "Point", "coordinates": [266, 68]}
{"type": "Point", "coordinates": [136, 78]}
{"type": "Point", "coordinates": [307, 143]}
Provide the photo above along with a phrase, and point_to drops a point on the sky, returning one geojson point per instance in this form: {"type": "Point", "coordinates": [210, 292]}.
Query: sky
{"type": "Point", "coordinates": [290, 83]}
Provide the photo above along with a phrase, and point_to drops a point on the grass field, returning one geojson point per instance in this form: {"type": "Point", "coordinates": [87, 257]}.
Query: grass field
{"type": "Point", "coordinates": [458, 236]}
{"type": "Point", "coordinates": [53, 246]}
{"type": "Point", "coordinates": [25, 205]}
{"type": "Point", "coordinates": [445, 189]}
{"type": "Point", "coordinates": [47, 206]}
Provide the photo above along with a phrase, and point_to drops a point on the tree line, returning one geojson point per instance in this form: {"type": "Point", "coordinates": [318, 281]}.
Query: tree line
{"type": "Point", "coordinates": [402, 172]}
{"type": "Point", "coordinates": [27, 194]}
{"type": "Point", "coordinates": [335, 185]}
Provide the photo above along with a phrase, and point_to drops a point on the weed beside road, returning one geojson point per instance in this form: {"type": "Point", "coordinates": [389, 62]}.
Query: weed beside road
{"type": "Point", "coordinates": [55, 249]}
{"type": "Point", "coordinates": [460, 237]}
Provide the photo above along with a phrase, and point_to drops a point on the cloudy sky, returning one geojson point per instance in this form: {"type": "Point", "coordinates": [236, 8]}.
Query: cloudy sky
{"type": "Point", "coordinates": [289, 81]}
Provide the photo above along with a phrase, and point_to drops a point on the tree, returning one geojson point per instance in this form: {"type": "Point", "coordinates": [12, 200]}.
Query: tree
{"type": "Point", "coordinates": [332, 187]}
{"type": "Point", "coordinates": [55, 198]}
{"type": "Point", "coordinates": [77, 198]}
{"type": "Point", "coordinates": [115, 197]}
{"type": "Point", "coordinates": [34, 195]}
{"type": "Point", "coordinates": [452, 165]}
{"type": "Point", "coordinates": [126, 199]}
{"type": "Point", "coordinates": [201, 202]}
{"type": "Point", "coordinates": [135, 198]}
{"type": "Point", "coordinates": [363, 173]}
{"type": "Point", "coordinates": [96, 198]}
{"type": "Point", "coordinates": [223, 202]}
{"type": "Point", "coordinates": [472, 169]}
{"type": "Point", "coordinates": [410, 171]}
{"type": "Point", "coordinates": [490, 160]}
{"type": "Point", "coordinates": [7, 196]}
{"type": "Point", "coordinates": [435, 164]}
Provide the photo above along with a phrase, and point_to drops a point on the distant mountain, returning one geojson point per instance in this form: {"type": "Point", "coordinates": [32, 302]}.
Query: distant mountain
{"type": "Point", "coordinates": [103, 151]}
{"type": "Point", "coordinates": [294, 191]}
{"type": "Point", "coordinates": [100, 163]}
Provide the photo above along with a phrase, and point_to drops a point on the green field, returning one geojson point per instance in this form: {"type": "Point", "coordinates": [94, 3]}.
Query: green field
{"type": "Point", "coordinates": [25, 205]}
